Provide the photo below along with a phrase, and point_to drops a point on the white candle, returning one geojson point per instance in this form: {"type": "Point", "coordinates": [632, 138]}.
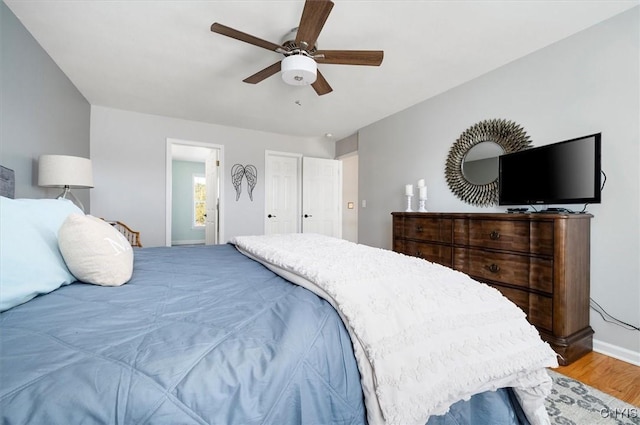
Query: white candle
{"type": "Point", "coordinates": [421, 183]}
{"type": "Point", "coordinates": [408, 190]}
{"type": "Point", "coordinates": [423, 192]}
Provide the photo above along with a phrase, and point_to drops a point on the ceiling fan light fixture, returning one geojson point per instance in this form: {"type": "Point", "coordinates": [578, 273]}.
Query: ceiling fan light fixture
{"type": "Point", "coordinates": [298, 70]}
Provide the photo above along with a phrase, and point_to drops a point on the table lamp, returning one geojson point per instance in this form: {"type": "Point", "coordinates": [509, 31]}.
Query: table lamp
{"type": "Point", "coordinates": [67, 172]}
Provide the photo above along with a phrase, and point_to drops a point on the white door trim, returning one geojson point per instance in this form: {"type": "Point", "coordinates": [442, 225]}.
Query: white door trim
{"type": "Point", "coordinates": [169, 177]}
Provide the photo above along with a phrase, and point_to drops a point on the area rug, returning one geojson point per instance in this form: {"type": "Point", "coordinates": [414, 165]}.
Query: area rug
{"type": "Point", "coordinates": [573, 403]}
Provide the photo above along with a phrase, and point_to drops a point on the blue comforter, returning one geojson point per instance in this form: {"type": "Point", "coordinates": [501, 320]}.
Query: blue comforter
{"type": "Point", "coordinates": [200, 335]}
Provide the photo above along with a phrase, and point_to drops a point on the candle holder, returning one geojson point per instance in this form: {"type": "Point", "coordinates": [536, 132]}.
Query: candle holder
{"type": "Point", "coordinates": [421, 205]}
{"type": "Point", "coordinates": [409, 204]}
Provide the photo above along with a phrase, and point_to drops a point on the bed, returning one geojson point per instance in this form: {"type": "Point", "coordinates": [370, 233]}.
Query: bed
{"type": "Point", "coordinates": [197, 335]}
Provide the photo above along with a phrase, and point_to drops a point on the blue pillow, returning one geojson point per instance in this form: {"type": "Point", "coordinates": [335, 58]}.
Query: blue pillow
{"type": "Point", "coordinates": [30, 261]}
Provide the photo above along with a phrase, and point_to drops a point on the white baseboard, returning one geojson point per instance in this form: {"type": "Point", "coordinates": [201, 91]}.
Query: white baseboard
{"type": "Point", "coordinates": [193, 242]}
{"type": "Point", "coordinates": [616, 352]}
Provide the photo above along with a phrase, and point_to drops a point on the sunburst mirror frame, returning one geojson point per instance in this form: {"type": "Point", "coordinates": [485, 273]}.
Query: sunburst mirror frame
{"type": "Point", "coordinates": [507, 134]}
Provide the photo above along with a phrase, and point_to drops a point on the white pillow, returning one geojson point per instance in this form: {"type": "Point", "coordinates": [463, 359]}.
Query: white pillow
{"type": "Point", "coordinates": [31, 263]}
{"type": "Point", "coordinates": [94, 251]}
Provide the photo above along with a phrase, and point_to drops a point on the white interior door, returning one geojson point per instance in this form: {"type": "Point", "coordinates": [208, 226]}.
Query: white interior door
{"type": "Point", "coordinates": [282, 177]}
{"type": "Point", "coordinates": [211, 219]}
{"type": "Point", "coordinates": [322, 196]}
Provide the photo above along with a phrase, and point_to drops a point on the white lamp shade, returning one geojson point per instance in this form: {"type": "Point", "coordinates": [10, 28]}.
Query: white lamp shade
{"type": "Point", "coordinates": [298, 70]}
{"type": "Point", "coordinates": [63, 170]}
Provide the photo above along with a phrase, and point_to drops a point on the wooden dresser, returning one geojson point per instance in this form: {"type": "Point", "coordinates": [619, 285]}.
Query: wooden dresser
{"type": "Point", "coordinates": [538, 261]}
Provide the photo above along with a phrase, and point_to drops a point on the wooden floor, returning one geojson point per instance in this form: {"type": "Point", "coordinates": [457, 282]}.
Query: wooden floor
{"type": "Point", "coordinates": [609, 375]}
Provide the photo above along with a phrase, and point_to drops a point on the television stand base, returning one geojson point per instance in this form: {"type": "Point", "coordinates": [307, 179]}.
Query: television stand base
{"type": "Point", "coordinates": [556, 211]}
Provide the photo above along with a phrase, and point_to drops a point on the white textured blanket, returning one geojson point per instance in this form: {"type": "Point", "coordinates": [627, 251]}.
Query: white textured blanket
{"type": "Point", "coordinates": [424, 336]}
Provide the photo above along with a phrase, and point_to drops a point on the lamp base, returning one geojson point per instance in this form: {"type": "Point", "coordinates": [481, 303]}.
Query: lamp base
{"type": "Point", "coordinates": [67, 194]}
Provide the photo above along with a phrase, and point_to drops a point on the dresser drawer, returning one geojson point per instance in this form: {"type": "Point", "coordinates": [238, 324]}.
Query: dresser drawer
{"type": "Point", "coordinates": [541, 239]}
{"type": "Point", "coordinates": [541, 274]}
{"type": "Point", "coordinates": [427, 229]}
{"type": "Point", "coordinates": [516, 296]}
{"type": "Point", "coordinates": [541, 311]}
{"type": "Point", "coordinates": [398, 246]}
{"type": "Point", "coordinates": [497, 234]}
{"type": "Point", "coordinates": [435, 253]}
{"type": "Point", "coordinates": [538, 308]}
{"type": "Point", "coordinates": [514, 269]}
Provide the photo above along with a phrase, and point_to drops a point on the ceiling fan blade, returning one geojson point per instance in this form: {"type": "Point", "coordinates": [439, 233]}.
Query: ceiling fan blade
{"type": "Point", "coordinates": [263, 74]}
{"type": "Point", "coordinates": [350, 57]}
{"type": "Point", "coordinates": [314, 15]}
{"type": "Point", "coordinates": [239, 35]}
{"type": "Point", "coordinates": [320, 85]}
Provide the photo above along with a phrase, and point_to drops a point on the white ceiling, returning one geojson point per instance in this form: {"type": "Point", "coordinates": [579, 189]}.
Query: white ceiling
{"type": "Point", "coordinates": [160, 57]}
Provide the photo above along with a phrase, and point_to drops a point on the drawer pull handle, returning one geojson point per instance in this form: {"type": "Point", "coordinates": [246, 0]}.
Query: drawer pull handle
{"type": "Point", "coordinates": [418, 254]}
{"type": "Point", "coordinates": [493, 268]}
{"type": "Point", "coordinates": [419, 229]}
{"type": "Point", "coordinates": [495, 235]}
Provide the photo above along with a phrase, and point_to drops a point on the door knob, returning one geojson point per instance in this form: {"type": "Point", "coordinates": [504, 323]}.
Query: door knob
{"type": "Point", "coordinates": [307, 215]}
{"type": "Point", "coordinates": [270, 216]}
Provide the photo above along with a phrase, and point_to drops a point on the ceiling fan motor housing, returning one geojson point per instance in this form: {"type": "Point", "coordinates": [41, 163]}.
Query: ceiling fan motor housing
{"type": "Point", "coordinates": [298, 70]}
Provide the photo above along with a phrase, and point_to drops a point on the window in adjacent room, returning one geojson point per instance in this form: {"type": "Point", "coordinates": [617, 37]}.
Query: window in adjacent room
{"type": "Point", "coordinates": [199, 200]}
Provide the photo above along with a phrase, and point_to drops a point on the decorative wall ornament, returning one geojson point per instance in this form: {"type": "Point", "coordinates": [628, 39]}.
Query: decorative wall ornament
{"type": "Point", "coordinates": [238, 172]}
{"type": "Point", "coordinates": [251, 173]}
{"type": "Point", "coordinates": [508, 135]}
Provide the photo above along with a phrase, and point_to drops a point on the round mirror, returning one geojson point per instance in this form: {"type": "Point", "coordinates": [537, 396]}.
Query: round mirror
{"type": "Point", "coordinates": [474, 183]}
{"type": "Point", "coordinates": [480, 164]}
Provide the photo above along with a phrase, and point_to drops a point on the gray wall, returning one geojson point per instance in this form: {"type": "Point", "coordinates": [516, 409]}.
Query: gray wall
{"type": "Point", "coordinates": [347, 145]}
{"type": "Point", "coordinates": [41, 111]}
{"type": "Point", "coordinates": [585, 84]}
{"type": "Point", "coordinates": [128, 150]}
{"type": "Point", "coordinates": [182, 230]}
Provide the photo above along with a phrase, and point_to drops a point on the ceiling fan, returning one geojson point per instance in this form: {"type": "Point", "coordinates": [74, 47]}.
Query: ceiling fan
{"type": "Point", "coordinates": [301, 56]}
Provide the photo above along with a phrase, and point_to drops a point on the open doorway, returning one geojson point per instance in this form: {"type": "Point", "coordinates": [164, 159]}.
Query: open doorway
{"type": "Point", "coordinates": [350, 205]}
{"type": "Point", "coordinates": [194, 196]}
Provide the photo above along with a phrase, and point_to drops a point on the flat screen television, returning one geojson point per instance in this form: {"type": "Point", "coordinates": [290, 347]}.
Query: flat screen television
{"type": "Point", "coordinates": [566, 172]}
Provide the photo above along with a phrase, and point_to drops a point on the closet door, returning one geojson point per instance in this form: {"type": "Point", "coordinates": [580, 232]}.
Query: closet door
{"type": "Point", "coordinates": [282, 196]}
{"type": "Point", "coordinates": [322, 196]}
